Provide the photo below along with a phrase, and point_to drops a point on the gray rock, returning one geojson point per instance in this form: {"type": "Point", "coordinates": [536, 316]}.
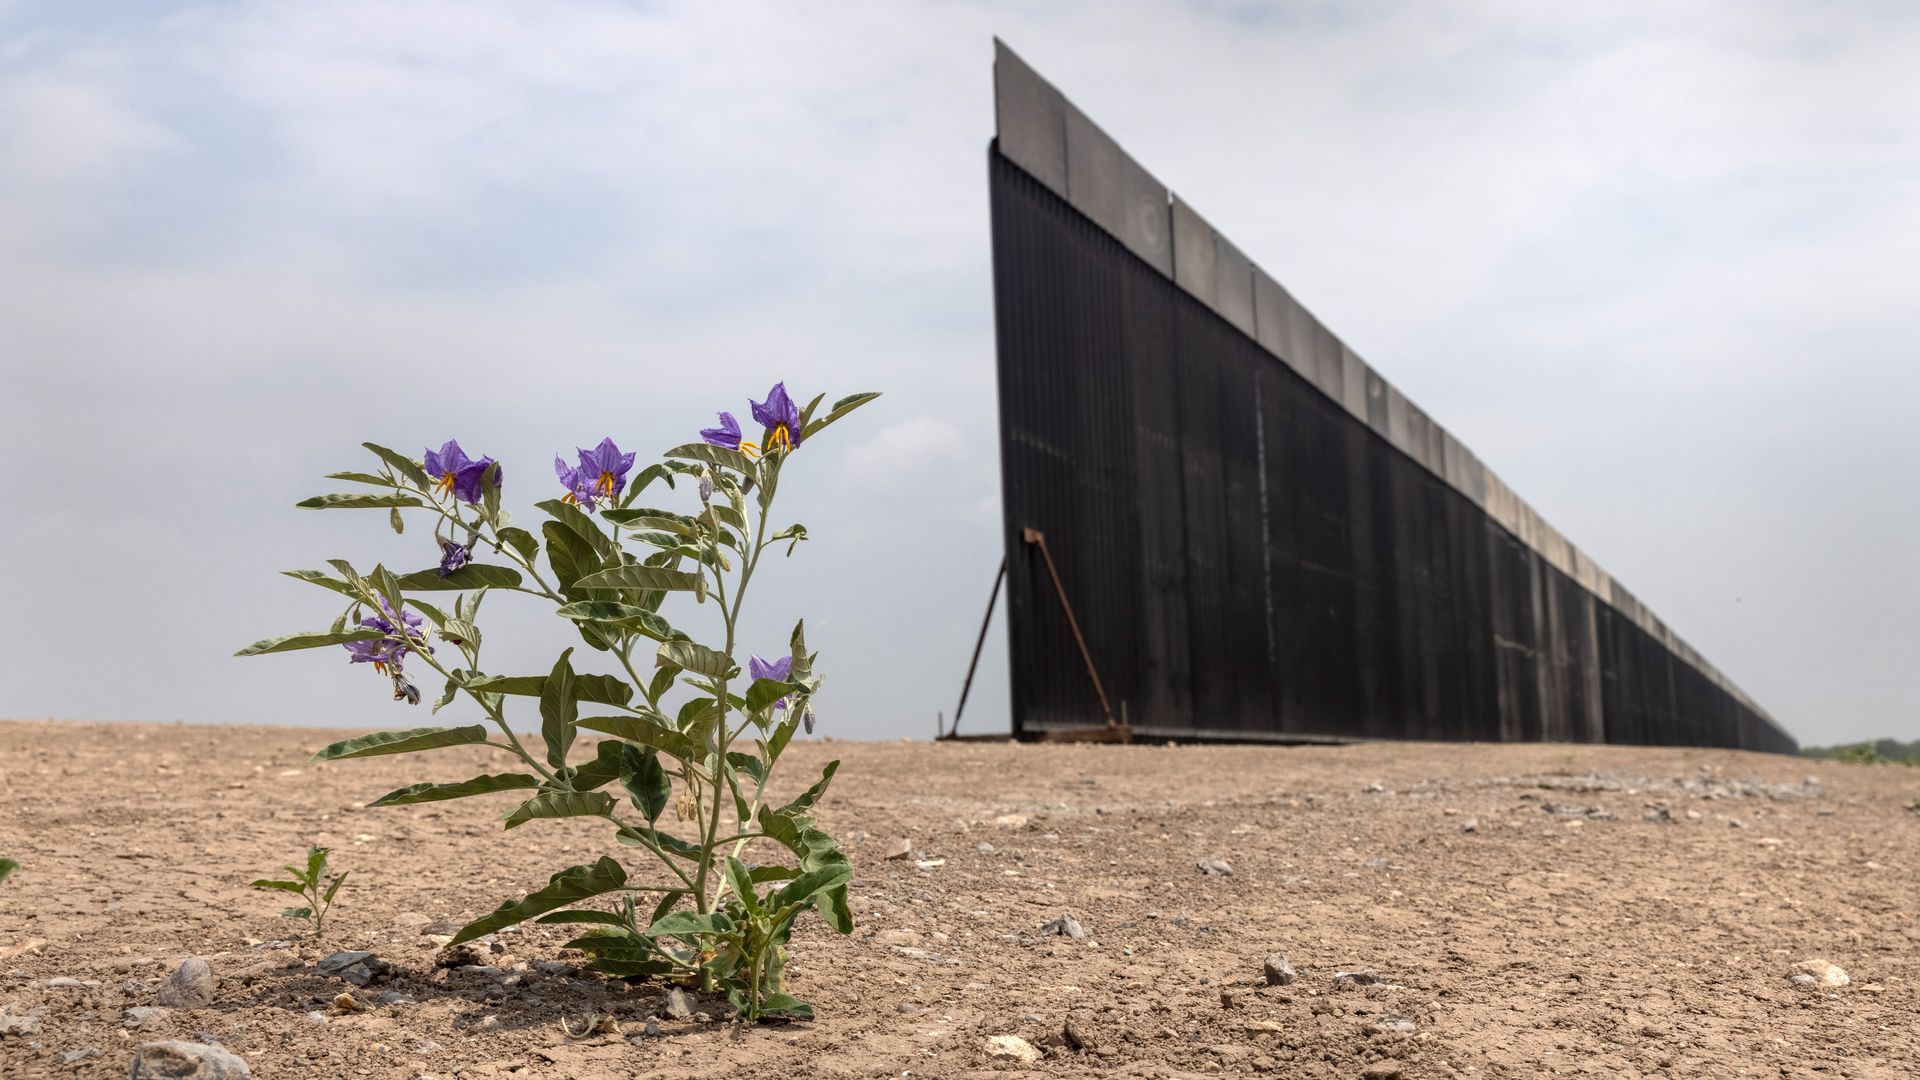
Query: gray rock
{"type": "Point", "coordinates": [1471, 825]}
{"type": "Point", "coordinates": [395, 997]}
{"type": "Point", "coordinates": [1065, 926]}
{"type": "Point", "coordinates": [67, 982]}
{"type": "Point", "coordinates": [427, 1046]}
{"type": "Point", "coordinates": [1278, 969]}
{"type": "Point", "coordinates": [73, 1057]}
{"type": "Point", "coordinates": [187, 1061]}
{"type": "Point", "coordinates": [19, 1026]}
{"type": "Point", "coordinates": [145, 1018]}
{"type": "Point", "coordinates": [440, 928]}
{"type": "Point", "coordinates": [1215, 866]}
{"type": "Point", "coordinates": [358, 968]}
{"type": "Point", "coordinates": [678, 1005]}
{"type": "Point", "coordinates": [190, 986]}
{"type": "Point", "coordinates": [1343, 980]}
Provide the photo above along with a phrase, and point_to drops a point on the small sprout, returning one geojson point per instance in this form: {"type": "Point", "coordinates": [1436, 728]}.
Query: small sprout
{"type": "Point", "coordinates": [306, 884]}
{"type": "Point", "coordinates": [7, 867]}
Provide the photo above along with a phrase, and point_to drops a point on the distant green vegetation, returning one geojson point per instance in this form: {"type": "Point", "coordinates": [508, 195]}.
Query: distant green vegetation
{"type": "Point", "coordinates": [1877, 752]}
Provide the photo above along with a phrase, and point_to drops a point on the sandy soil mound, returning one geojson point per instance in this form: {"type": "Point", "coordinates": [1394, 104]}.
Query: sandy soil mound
{"type": "Point", "coordinates": [1506, 911]}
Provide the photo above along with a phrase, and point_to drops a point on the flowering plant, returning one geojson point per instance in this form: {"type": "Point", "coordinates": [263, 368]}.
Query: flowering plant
{"type": "Point", "coordinates": [694, 725]}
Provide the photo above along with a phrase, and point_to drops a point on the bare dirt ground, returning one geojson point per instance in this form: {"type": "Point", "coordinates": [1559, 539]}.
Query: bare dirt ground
{"type": "Point", "coordinates": [1529, 910]}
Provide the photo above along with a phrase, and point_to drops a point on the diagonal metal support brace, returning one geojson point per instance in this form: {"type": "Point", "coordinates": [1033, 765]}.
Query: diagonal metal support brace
{"type": "Point", "coordinates": [1039, 539]}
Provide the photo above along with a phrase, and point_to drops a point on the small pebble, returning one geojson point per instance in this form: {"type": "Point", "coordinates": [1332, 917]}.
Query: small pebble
{"type": "Point", "coordinates": [1215, 866]}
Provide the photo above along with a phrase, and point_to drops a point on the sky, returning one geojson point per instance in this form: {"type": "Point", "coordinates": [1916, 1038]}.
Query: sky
{"type": "Point", "coordinates": [1653, 263]}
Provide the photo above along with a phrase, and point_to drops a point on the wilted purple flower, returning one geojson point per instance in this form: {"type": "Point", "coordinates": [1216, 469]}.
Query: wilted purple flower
{"type": "Point", "coordinates": [728, 435]}
{"type": "Point", "coordinates": [601, 474]}
{"type": "Point", "coordinates": [777, 670]}
{"type": "Point", "coordinates": [780, 416]}
{"type": "Point", "coordinates": [807, 718]}
{"type": "Point", "coordinates": [386, 654]}
{"type": "Point", "coordinates": [453, 556]}
{"type": "Point", "coordinates": [706, 486]}
{"type": "Point", "coordinates": [457, 474]}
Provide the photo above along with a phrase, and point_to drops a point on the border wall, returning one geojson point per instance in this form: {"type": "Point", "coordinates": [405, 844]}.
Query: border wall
{"type": "Point", "coordinates": [1261, 537]}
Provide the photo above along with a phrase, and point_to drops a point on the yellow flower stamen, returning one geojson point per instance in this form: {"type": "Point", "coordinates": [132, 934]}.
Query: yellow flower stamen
{"type": "Point", "coordinates": [749, 448]}
{"type": "Point", "coordinates": [445, 486]}
{"type": "Point", "coordinates": [604, 485]}
{"type": "Point", "coordinates": [781, 436]}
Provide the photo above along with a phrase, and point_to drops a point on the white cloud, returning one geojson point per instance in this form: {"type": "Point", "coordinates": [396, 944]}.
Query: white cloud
{"type": "Point", "coordinates": [905, 450]}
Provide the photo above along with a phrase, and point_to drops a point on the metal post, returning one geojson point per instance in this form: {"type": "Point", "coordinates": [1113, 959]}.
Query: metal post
{"type": "Point", "coordinates": [980, 641]}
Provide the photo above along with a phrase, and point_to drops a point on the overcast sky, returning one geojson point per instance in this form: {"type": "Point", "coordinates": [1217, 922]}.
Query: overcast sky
{"type": "Point", "coordinates": [1656, 266]}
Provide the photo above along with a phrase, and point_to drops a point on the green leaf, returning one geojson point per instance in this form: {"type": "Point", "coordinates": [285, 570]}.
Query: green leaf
{"type": "Point", "coordinates": [840, 408]}
{"type": "Point", "coordinates": [581, 525]}
{"type": "Point", "coordinates": [607, 765]}
{"type": "Point", "coordinates": [394, 519]}
{"type": "Point", "coordinates": [315, 640]}
{"type": "Point", "coordinates": [764, 692]}
{"type": "Point", "coordinates": [801, 890]}
{"type": "Point", "coordinates": [559, 708]}
{"type": "Point", "coordinates": [355, 500]}
{"type": "Point", "coordinates": [282, 886]}
{"type": "Point", "coordinates": [457, 631]}
{"type": "Point", "coordinates": [470, 576]}
{"type": "Point", "coordinates": [697, 658]}
{"type": "Point", "coordinates": [296, 913]}
{"type": "Point", "coordinates": [479, 785]}
{"type": "Point", "coordinates": [812, 794]}
{"type": "Point", "coordinates": [316, 864]}
{"type": "Point", "coordinates": [600, 689]}
{"type": "Point", "coordinates": [569, 886]}
{"type": "Point", "coordinates": [785, 1005]}
{"type": "Point", "coordinates": [806, 414]}
{"type": "Point", "coordinates": [795, 532]}
{"type": "Point", "coordinates": [317, 578]}
{"type": "Point", "coordinates": [361, 478]}
{"type": "Point", "coordinates": [600, 918]}
{"type": "Point", "coordinates": [626, 616]}
{"type": "Point", "coordinates": [7, 867]}
{"type": "Point", "coordinates": [326, 898]}
{"type": "Point", "coordinates": [742, 885]}
{"type": "Point", "coordinates": [561, 804]}
{"type": "Point", "coordinates": [645, 478]}
{"type": "Point", "coordinates": [645, 780]}
{"type": "Point", "coordinates": [713, 455]}
{"type": "Point", "coordinates": [688, 923]}
{"type": "Point", "coordinates": [644, 730]}
{"type": "Point", "coordinates": [570, 556]}
{"type": "Point", "coordinates": [521, 541]}
{"type": "Point", "coordinates": [748, 764]}
{"type": "Point", "coordinates": [401, 742]}
{"type": "Point", "coordinates": [402, 464]}
{"type": "Point", "coordinates": [641, 578]}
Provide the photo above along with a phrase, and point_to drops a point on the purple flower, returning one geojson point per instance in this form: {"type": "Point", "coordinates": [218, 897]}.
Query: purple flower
{"type": "Point", "coordinates": [728, 435]}
{"type": "Point", "coordinates": [777, 670]}
{"type": "Point", "coordinates": [458, 474]}
{"type": "Point", "coordinates": [453, 556]}
{"type": "Point", "coordinates": [387, 653]}
{"type": "Point", "coordinates": [601, 474]}
{"type": "Point", "coordinates": [780, 416]}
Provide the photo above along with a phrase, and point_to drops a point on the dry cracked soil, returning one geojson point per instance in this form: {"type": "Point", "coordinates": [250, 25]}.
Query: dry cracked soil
{"type": "Point", "coordinates": [1514, 911]}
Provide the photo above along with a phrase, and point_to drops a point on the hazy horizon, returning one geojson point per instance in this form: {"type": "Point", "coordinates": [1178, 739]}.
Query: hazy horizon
{"type": "Point", "coordinates": [1652, 266]}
